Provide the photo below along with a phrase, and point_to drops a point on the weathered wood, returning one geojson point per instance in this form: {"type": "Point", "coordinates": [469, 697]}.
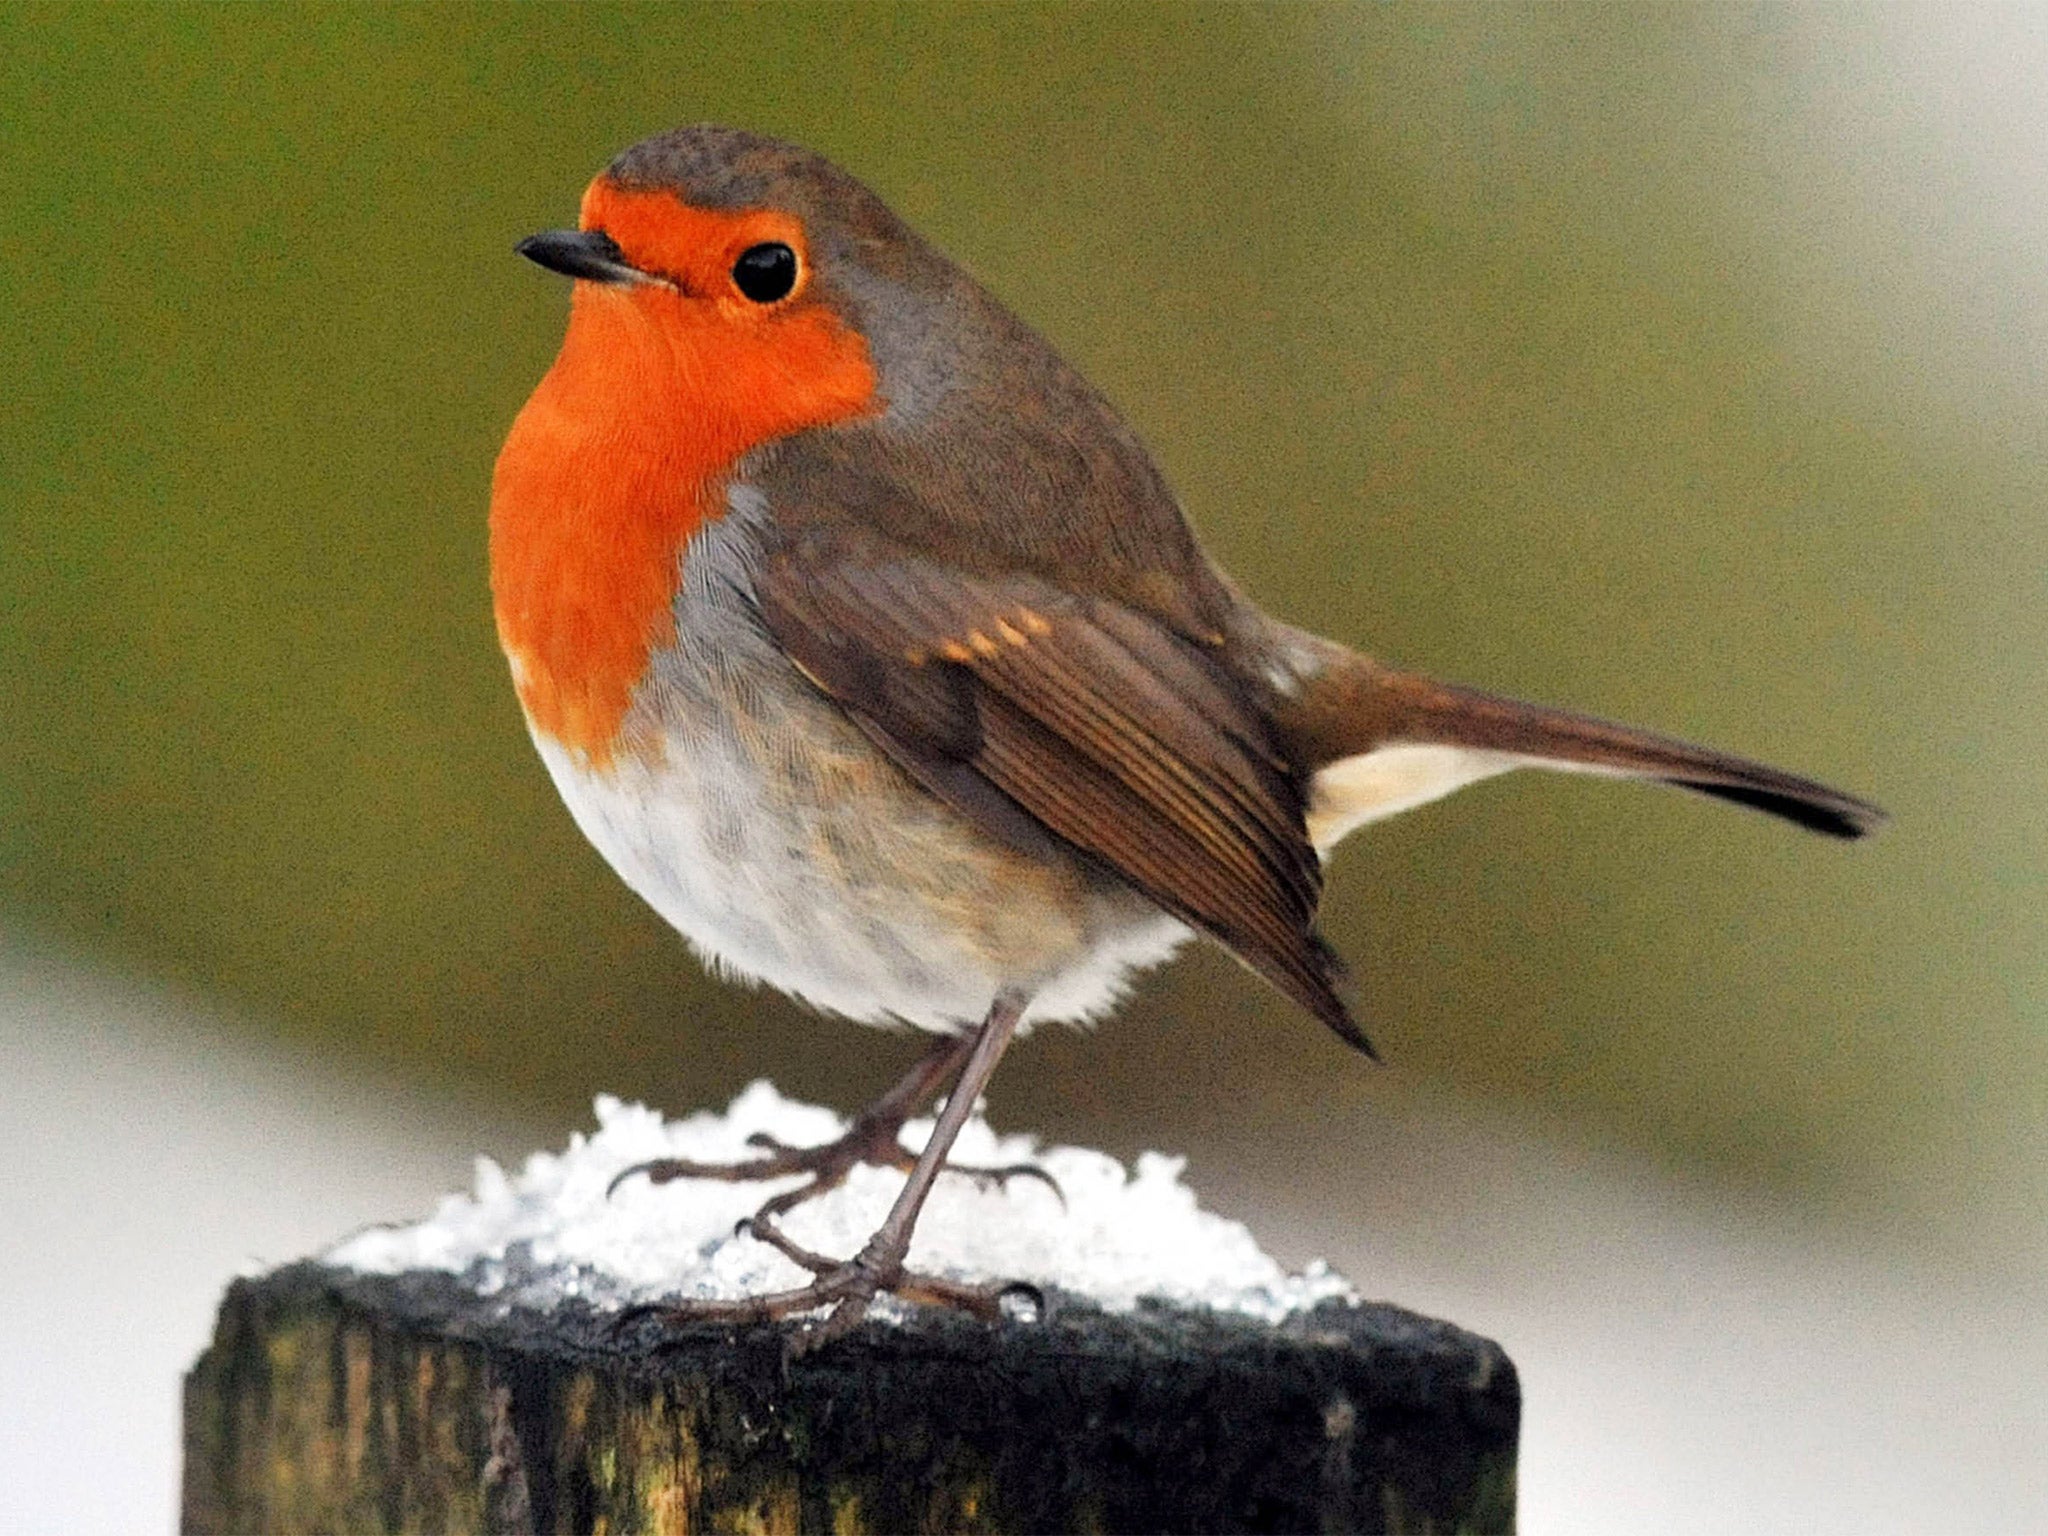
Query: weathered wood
{"type": "Point", "coordinates": [332, 1401]}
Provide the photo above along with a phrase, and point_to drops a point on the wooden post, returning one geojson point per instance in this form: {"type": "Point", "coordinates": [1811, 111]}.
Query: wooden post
{"type": "Point", "coordinates": [335, 1401]}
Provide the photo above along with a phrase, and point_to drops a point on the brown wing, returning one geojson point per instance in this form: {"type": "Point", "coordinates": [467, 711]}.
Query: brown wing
{"type": "Point", "coordinates": [1040, 713]}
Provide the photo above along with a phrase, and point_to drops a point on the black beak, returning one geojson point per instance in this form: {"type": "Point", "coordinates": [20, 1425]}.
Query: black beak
{"type": "Point", "coordinates": [590, 254]}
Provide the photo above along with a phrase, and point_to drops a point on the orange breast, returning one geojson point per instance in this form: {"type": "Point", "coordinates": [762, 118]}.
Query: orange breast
{"type": "Point", "coordinates": [626, 449]}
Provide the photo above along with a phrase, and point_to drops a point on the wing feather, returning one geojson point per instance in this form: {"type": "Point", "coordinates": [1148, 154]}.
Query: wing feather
{"type": "Point", "coordinates": [1039, 713]}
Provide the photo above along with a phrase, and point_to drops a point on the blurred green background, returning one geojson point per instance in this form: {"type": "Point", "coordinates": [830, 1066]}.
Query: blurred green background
{"type": "Point", "coordinates": [1683, 365]}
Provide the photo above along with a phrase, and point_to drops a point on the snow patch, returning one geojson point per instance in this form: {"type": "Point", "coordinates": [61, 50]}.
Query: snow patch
{"type": "Point", "coordinates": [549, 1233]}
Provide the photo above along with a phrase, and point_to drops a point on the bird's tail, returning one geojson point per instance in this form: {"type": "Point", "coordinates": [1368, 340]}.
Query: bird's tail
{"type": "Point", "coordinates": [1378, 741]}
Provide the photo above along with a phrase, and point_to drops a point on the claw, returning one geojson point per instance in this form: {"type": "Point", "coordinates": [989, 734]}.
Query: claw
{"type": "Point", "coordinates": [622, 1175]}
{"type": "Point", "coordinates": [1031, 1295]}
{"type": "Point", "coordinates": [986, 1178]}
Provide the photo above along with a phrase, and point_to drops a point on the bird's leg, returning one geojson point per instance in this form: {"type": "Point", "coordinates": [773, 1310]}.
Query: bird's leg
{"type": "Point", "coordinates": [873, 1137]}
{"type": "Point", "coordinates": [849, 1286]}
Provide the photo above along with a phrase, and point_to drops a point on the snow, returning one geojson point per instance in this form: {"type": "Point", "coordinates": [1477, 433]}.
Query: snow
{"type": "Point", "coordinates": [550, 1232]}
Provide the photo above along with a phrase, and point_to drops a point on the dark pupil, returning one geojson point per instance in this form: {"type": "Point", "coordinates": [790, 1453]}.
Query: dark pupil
{"type": "Point", "coordinates": [765, 273]}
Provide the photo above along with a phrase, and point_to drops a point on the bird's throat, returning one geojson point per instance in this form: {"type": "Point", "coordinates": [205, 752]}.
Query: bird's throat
{"type": "Point", "coordinates": [623, 453]}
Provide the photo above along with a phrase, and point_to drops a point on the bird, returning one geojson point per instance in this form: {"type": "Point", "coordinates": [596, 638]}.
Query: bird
{"type": "Point", "coordinates": [868, 644]}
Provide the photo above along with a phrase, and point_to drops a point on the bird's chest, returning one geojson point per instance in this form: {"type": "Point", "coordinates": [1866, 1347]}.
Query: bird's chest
{"type": "Point", "coordinates": [761, 822]}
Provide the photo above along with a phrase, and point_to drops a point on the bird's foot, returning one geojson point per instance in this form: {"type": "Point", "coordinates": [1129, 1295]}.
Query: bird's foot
{"type": "Point", "coordinates": [880, 1147]}
{"type": "Point", "coordinates": [873, 1138]}
{"type": "Point", "coordinates": [849, 1287]}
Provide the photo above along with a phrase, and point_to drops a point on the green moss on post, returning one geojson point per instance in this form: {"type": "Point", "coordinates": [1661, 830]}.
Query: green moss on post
{"type": "Point", "coordinates": [332, 1401]}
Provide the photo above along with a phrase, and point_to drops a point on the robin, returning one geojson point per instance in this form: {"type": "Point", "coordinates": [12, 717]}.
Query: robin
{"type": "Point", "coordinates": [867, 643]}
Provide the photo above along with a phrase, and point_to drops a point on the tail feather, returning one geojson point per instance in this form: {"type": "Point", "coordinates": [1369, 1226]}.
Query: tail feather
{"type": "Point", "coordinates": [1380, 741]}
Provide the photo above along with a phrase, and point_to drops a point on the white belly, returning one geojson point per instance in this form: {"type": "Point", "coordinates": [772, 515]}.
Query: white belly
{"type": "Point", "coordinates": [876, 918]}
{"type": "Point", "coordinates": [759, 821]}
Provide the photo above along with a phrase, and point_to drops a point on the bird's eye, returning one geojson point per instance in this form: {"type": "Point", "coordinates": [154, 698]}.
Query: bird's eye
{"type": "Point", "coordinates": [765, 273]}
